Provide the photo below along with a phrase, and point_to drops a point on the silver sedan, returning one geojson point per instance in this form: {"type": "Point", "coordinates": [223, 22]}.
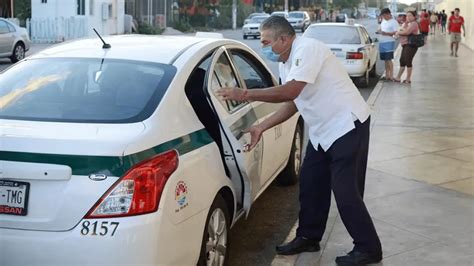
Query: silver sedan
{"type": "Point", "coordinates": [14, 41]}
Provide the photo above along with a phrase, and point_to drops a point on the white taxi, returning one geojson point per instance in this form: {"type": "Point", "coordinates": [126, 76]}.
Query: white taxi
{"type": "Point", "coordinates": [351, 44]}
{"type": "Point", "coordinates": [252, 28]}
{"type": "Point", "coordinates": [125, 156]}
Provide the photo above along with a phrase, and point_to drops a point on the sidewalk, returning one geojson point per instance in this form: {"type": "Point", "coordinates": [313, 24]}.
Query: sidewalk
{"type": "Point", "coordinates": [420, 179]}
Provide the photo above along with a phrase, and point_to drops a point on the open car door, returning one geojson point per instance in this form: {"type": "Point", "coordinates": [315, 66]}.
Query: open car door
{"type": "Point", "coordinates": [234, 117]}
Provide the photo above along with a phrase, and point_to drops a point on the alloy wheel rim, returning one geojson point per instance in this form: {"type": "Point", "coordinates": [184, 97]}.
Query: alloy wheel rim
{"type": "Point", "coordinates": [216, 245]}
{"type": "Point", "coordinates": [19, 52]}
{"type": "Point", "coordinates": [297, 154]}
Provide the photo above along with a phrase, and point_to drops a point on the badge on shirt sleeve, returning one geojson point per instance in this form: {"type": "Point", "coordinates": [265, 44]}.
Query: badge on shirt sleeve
{"type": "Point", "coordinates": [297, 62]}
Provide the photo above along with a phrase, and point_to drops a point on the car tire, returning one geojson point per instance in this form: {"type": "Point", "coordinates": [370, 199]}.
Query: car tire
{"type": "Point", "coordinates": [217, 222]}
{"type": "Point", "coordinates": [373, 71]}
{"type": "Point", "coordinates": [245, 37]}
{"type": "Point", "coordinates": [289, 175]}
{"type": "Point", "coordinates": [18, 53]}
{"type": "Point", "coordinates": [365, 79]}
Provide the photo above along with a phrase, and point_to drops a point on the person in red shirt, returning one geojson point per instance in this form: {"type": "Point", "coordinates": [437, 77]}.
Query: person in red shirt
{"type": "Point", "coordinates": [456, 22]}
{"type": "Point", "coordinates": [425, 24]}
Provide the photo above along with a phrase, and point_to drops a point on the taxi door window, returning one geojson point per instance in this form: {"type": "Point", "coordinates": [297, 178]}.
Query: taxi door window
{"type": "Point", "coordinates": [365, 36]}
{"type": "Point", "coordinates": [253, 73]}
{"type": "Point", "coordinates": [222, 77]}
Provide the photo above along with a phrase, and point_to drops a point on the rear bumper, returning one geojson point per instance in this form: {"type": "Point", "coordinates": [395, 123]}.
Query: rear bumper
{"type": "Point", "coordinates": [140, 240]}
{"type": "Point", "coordinates": [251, 33]}
{"type": "Point", "coordinates": [356, 69]}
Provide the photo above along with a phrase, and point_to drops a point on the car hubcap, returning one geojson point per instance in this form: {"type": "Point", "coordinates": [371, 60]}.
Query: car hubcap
{"type": "Point", "coordinates": [217, 243]}
{"type": "Point", "coordinates": [297, 154]}
{"type": "Point", "coordinates": [19, 52]}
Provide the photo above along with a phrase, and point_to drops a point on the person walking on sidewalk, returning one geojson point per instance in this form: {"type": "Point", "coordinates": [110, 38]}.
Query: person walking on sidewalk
{"type": "Point", "coordinates": [387, 43]}
{"type": "Point", "coordinates": [456, 22]}
{"type": "Point", "coordinates": [425, 25]}
{"type": "Point", "coordinates": [336, 157]}
{"type": "Point", "coordinates": [408, 52]}
{"type": "Point", "coordinates": [434, 21]}
{"type": "Point", "coordinates": [444, 19]}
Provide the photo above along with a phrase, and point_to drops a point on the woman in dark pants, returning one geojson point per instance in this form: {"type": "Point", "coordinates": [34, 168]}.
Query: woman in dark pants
{"type": "Point", "coordinates": [408, 52]}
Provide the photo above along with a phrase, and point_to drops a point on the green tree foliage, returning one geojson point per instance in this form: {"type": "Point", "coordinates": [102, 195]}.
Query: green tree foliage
{"type": "Point", "coordinates": [22, 10]}
{"type": "Point", "coordinates": [346, 3]}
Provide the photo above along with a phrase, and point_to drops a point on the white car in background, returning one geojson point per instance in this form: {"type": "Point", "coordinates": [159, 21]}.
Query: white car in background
{"type": "Point", "coordinates": [252, 29]}
{"type": "Point", "coordinates": [14, 41]}
{"type": "Point", "coordinates": [300, 20]}
{"type": "Point", "coordinates": [351, 44]}
{"type": "Point", "coordinates": [125, 156]}
{"type": "Point", "coordinates": [281, 14]}
{"type": "Point", "coordinates": [247, 20]}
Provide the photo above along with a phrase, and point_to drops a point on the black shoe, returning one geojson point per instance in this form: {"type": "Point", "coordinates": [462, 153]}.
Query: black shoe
{"type": "Point", "coordinates": [298, 245]}
{"type": "Point", "coordinates": [357, 258]}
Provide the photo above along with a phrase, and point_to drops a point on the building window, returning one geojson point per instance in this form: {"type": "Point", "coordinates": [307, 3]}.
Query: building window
{"type": "Point", "coordinates": [91, 7]}
{"type": "Point", "coordinates": [81, 7]}
{"type": "Point", "coordinates": [44, 1]}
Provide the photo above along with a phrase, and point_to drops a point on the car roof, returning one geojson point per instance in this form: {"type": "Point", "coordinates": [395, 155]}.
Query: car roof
{"type": "Point", "coordinates": [334, 24]}
{"type": "Point", "coordinates": [154, 48]}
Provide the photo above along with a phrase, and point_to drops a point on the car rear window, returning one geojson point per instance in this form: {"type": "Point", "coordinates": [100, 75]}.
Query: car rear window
{"type": "Point", "coordinates": [83, 90]}
{"type": "Point", "coordinates": [296, 15]}
{"type": "Point", "coordinates": [334, 34]}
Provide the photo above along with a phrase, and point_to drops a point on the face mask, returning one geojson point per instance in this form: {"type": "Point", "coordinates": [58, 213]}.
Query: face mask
{"type": "Point", "coordinates": [269, 54]}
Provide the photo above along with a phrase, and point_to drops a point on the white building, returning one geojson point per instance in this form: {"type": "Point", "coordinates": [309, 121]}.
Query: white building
{"type": "Point", "coordinates": [58, 20]}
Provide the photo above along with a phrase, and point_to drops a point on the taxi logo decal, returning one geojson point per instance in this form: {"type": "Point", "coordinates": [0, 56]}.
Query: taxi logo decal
{"type": "Point", "coordinates": [181, 193]}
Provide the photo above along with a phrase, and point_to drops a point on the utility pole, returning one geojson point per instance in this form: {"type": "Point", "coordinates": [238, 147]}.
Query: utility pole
{"type": "Point", "coordinates": [234, 14]}
{"type": "Point", "coordinates": [286, 5]}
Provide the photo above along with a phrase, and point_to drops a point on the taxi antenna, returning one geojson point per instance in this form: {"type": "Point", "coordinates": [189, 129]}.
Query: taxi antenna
{"type": "Point", "coordinates": [106, 45]}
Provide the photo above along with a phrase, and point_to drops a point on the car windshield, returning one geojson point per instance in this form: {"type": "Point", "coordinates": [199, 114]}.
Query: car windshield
{"type": "Point", "coordinates": [281, 14]}
{"type": "Point", "coordinates": [334, 35]}
{"type": "Point", "coordinates": [296, 15]}
{"type": "Point", "coordinates": [257, 19]}
{"type": "Point", "coordinates": [83, 90]}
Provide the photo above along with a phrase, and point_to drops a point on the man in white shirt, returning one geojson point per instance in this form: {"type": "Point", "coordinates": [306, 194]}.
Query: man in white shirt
{"type": "Point", "coordinates": [316, 84]}
{"type": "Point", "coordinates": [387, 43]}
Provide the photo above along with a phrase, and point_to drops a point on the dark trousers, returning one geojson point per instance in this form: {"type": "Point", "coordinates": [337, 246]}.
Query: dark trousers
{"type": "Point", "coordinates": [342, 168]}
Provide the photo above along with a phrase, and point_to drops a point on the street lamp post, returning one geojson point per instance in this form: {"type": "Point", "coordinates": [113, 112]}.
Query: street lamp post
{"type": "Point", "coordinates": [234, 14]}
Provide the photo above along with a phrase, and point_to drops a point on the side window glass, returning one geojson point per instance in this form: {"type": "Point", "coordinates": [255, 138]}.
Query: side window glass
{"type": "Point", "coordinates": [4, 27]}
{"type": "Point", "coordinates": [251, 72]}
{"type": "Point", "coordinates": [365, 36]}
{"type": "Point", "coordinates": [11, 28]}
{"type": "Point", "coordinates": [224, 76]}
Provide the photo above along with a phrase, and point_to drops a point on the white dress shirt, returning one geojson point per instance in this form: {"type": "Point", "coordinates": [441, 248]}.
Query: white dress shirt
{"type": "Point", "coordinates": [330, 102]}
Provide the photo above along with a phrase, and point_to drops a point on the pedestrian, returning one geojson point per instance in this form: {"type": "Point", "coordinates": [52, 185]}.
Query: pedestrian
{"type": "Point", "coordinates": [444, 19]}
{"type": "Point", "coordinates": [425, 25]}
{"type": "Point", "coordinates": [408, 52]}
{"type": "Point", "coordinates": [434, 21]}
{"type": "Point", "coordinates": [387, 43]}
{"type": "Point", "coordinates": [316, 84]}
{"type": "Point", "coordinates": [456, 22]}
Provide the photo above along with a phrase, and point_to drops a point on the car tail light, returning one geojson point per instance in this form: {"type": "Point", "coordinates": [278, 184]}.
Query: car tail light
{"type": "Point", "coordinates": [139, 190]}
{"type": "Point", "coordinates": [354, 55]}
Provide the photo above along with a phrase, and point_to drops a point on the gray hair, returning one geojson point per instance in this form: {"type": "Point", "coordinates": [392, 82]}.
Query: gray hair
{"type": "Point", "coordinates": [278, 25]}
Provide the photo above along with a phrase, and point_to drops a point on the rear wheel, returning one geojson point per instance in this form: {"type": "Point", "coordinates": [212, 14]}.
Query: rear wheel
{"type": "Point", "coordinates": [216, 234]}
{"type": "Point", "coordinates": [364, 80]}
{"type": "Point", "coordinates": [373, 72]}
{"type": "Point", "coordinates": [289, 176]}
{"type": "Point", "coordinates": [18, 53]}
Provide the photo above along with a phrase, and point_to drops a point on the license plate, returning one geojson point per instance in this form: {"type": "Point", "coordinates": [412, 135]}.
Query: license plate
{"type": "Point", "coordinates": [14, 197]}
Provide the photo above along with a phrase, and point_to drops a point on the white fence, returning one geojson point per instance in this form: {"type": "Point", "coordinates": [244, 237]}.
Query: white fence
{"type": "Point", "coordinates": [53, 30]}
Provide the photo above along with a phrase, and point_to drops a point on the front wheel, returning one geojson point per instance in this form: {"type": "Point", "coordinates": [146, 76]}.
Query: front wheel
{"type": "Point", "coordinates": [18, 53]}
{"type": "Point", "coordinates": [216, 234]}
{"type": "Point", "coordinates": [289, 175]}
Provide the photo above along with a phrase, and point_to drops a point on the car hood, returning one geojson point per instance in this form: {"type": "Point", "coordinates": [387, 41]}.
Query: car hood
{"type": "Point", "coordinates": [251, 25]}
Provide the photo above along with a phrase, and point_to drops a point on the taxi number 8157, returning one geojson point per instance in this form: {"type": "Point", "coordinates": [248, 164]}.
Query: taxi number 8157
{"type": "Point", "coordinates": [99, 228]}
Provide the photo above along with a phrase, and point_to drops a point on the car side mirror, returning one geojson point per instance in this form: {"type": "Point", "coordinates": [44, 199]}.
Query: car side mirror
{"type": "Point", "coordinates": [376, 40]}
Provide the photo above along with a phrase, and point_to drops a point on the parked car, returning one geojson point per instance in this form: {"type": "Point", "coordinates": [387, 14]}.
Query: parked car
{"type": "Point", "coordinates": [125, 156]}
{"type": "Point", "coordinates": [341, 17]}
{"type": "Point", "coordinates": [299, 20]}
{"type": "Point", "coordinates": [281, 14]}
{"type": "Point", "coordinates": [14, 41]}
{"type": "Point", "coordinates": [351, 44]}
{"type": "Point", "coordinates": [253, 27]}
{"type": "Point", "coordinates": [247, 20]}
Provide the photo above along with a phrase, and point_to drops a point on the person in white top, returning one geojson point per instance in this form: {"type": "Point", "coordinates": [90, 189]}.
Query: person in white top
{"type": "Point", "coordinates": [387, 42]}
{"type": "Point", "coordinates": [316, 84]}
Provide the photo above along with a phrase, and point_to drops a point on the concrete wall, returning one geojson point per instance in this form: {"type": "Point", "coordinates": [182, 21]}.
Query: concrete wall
{"type": "Point", "coordinates": [53, 8]}
{"type": "Point", "coordinates": [467, 11]}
